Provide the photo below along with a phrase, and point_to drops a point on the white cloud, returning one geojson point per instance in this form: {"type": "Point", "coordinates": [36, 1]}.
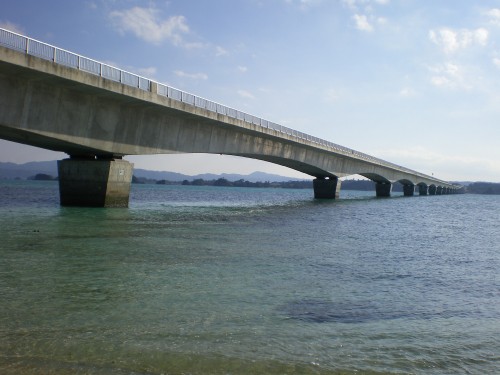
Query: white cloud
{"type": "Point", "coordinates": [364, 13]}
{"type": "Point", "coordinates": [331, 96]}
{"type": "Point", "coordinates": [193, 45]}
{"type": "Point", "coordinates": [197, 76]}
{"type": "Point", "coordinates": [219, 51]}
{"type": "Point", "coordinates": [382, 20]}
{"type": "Point", "coordinates": [449, 75]}
{"type": "Point", "coordinates": [242, 69]}
{"type": "Point", "coordinates": [147, 72]}
{"type": "Point", "coordinates": [350, 4]}
{"type": "Point", "coordinates": [494, 15]}
{"type": "Point", "coordinates": [441, 81]}
{"type": "Point", "coordinates": [355, 5]}
{"type": "Point", "coordinates": [496, 62]}
{"type": "Point", "coordinates": [362, 23]}
{"type": "Point", "coordinates": [451, 41]}
{"type": "Point", "coordinates": [146, 24]}
{"type": "Point", "coordinates": [407, 92]}
{"type": "Point", "coordinates": [304, 4]}
{"type": "Point", "coordinates": [12, 27]}
{"type": "Point", "coordinates": [245, 94]}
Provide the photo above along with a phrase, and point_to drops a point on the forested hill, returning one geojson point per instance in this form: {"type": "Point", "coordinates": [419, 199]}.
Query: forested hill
{"type": "Point", "coordinates": [483, 188]}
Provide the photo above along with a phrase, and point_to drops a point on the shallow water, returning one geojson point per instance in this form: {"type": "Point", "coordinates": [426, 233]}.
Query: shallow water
{"type": "Point", "coordinates": [240, 281]}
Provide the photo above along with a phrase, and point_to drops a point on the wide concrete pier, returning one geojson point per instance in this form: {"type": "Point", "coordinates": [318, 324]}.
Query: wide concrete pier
{"type": "Point", "coordinates": [423, 189]}
{"type": "Point", "coordinates": [326, 188]}
{"type": "Point", "coordinates": [94, 182]}
{"type": "Point", "coordinates": [383, 189]}
{"type": "Point", "coordinates": [408, 190]}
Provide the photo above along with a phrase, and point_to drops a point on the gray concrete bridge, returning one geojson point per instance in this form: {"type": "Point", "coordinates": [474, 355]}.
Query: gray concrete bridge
{"type": "Point", "coordinates": [58, 100]}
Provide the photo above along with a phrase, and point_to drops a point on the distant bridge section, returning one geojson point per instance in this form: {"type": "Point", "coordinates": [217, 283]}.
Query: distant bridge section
{"type": "Point", "coordinates": [96, 113]}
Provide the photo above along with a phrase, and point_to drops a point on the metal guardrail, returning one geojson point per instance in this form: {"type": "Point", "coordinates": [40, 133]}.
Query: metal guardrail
{"type": "Point", "coordinates": [46, 51]}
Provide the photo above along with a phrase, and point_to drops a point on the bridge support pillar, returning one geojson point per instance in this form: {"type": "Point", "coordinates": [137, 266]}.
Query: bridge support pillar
{"type": "Point", "coordinates": [409, 190]}
{"type": "Point", "coordinates": [383, 189]}
{"type": "Point", "coordinates": [326, 188]}
{"type": "Point", "coordinates": [439, 190]}
{"type": "Point", "coordinates": [94, 182]}
{"type": "Point", "coordinates": [432, 190]}
{"type": "Point", "coordinates": [422, 189]}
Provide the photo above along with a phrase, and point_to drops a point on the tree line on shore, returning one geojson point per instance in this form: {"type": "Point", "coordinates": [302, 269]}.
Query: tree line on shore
{"type": "Point", "coordinates": [306, 184]}
{"type": "Point", "coordinates": [364, 185]}
{"type": "Point", "coordinates": [483, 188]}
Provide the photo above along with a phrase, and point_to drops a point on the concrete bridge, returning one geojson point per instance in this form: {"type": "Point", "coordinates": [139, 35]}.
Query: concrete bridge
{"type": "Point", "coordinates": [55, 99]}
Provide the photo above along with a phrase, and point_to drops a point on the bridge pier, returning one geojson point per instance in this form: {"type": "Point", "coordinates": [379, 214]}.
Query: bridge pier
{"type": "Point", "coordinates": [383, 189]}
{"type": "Point", "coordinates": [423, 189]}
{"type": "Point", "coordinates": [408, 190]}
{"type": "Point", "coordinates": [91, 182]}
{"type": "Point", "coordinates": [326, 188]}
{"type": "Point", "coordinates": [439, 190]}
{"type": "Point", "coordinates": [432, 190]}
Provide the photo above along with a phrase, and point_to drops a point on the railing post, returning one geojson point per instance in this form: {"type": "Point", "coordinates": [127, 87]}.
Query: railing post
{"type": "Point", "coordinates": [153, 87]}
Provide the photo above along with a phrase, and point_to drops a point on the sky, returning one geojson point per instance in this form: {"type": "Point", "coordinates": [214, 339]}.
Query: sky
{"type": "Point", "coordinates": [413, 82]}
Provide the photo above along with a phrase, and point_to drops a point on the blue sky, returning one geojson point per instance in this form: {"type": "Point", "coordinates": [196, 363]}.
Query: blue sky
{"type": "Point", "coordinates": [413, 82]}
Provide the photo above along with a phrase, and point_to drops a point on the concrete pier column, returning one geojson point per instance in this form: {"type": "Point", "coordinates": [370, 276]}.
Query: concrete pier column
{"type": "Point", "coordinates": [409, 190]}
{"type": "Point", "coordinates": [383, 189]}
{"type": "Point", "coordinates": [439, 190]}
{"type": "Point", "coordinates": [326, 188]}
{"type": "Point", "coordinates": [94, 182]}
{"type": "Point", "coordinates": [423, 189]}
{"type": "Point", "coordinates": [432, 190]}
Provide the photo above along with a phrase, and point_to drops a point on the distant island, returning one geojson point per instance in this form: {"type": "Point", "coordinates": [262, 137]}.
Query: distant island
{"type": "Point", "coordinates": [43, 177]}
{"type": "Point", "coordinates": [488, 188]}
{"type": "Point", "coordinates": [483, 188]}
{"type": "Point", "coordinates": [47, 171]}
{"type": "Point", "coordinates": [365, 185]}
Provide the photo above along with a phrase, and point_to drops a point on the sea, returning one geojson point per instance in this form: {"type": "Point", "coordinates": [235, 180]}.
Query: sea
{"type": "Point", "coordinates": [225, 280]}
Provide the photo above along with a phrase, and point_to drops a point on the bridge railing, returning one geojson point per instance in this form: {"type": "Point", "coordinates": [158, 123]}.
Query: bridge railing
{"type": "Point", "coordinates": [46, 51]}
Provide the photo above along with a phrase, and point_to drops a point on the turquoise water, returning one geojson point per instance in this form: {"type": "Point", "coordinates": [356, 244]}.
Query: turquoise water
{"type": "Point", "coordinates": [204, 280]}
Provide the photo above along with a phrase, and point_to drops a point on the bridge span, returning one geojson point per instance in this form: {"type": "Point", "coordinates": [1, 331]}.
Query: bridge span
{"type": "Point", "coordinates": [58, 100]}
